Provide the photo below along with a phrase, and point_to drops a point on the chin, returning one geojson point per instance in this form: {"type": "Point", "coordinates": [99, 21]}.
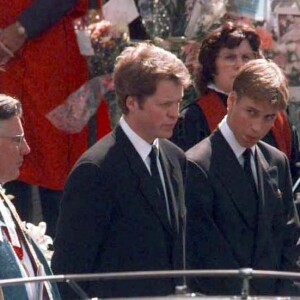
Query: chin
{"type": "Point", "coordinates": [14, 176]}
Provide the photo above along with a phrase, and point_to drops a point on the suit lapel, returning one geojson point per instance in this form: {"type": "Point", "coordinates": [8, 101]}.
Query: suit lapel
{"type": "Point", "coordinates": [229, 171]}
{"type": "Point", "coordinates": [172, 180]}
{"type": "Point", "coordinates": [143, 176]}
{"type": "Point", "coordinates": [268, 189]}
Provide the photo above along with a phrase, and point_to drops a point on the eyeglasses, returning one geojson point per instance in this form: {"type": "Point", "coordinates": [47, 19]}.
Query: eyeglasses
{"type": "Point", "coordinates": [232, 59]}
{"type": "Point", "coordinates": [18, 139]}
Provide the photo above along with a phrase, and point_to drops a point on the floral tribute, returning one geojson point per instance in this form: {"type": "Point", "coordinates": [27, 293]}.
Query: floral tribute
{"type": "Point", "coordinates": [284, 50]}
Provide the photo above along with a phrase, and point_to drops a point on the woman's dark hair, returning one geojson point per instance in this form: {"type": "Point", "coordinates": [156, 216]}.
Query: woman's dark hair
{"type": "Point", "coordinates": [229, 35]}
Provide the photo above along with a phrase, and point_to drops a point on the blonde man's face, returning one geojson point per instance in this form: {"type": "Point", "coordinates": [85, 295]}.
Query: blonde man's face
{"type": "Point", "coordinates": [249, 120]}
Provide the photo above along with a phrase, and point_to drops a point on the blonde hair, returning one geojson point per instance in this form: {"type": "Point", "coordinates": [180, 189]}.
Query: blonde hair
{"type": "Point", "coordinates": [262, 80]}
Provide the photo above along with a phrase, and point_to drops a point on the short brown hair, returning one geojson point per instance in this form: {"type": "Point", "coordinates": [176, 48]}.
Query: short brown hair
{"type": "Point", "coordinates": [9, 107]}
{"type": "Point", "coordinates": [262, 80]}
{"type": "Point", "coordinates": [230, 35]}
{"type": "Point", "coordinates": [139, 69]}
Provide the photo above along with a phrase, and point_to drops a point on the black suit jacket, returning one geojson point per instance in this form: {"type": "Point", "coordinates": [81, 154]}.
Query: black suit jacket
{"type": "Point", "coordinates": [110, 221]}
{"type": "Point", "coordinates": [222, 233]}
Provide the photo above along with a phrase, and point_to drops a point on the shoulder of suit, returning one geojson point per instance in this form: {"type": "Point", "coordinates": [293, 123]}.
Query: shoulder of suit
{"type": "Point", "coordinates": [170, 147]}
{"type": "Point", "coordinates": [102, 150]}
{"type": "Point", "coordinates": [271, 152]}
{"type": "Point", "coordinates": [201, 152]}
{"type": "Point", "coordinates": [265, 147]}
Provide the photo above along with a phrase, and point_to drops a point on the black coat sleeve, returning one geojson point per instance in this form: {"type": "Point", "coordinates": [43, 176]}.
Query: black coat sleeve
{"type": "Point", "coordinates": [83, 223]}
{"type": "Point", "coordinates": [191, 127]}
{"type": "Point", "coordinates": [42, 14]}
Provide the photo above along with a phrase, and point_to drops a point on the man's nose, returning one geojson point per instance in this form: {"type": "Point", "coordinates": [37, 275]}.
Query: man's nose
{"type": "Point", "coordinates": [25, 149]}
{"type": "Point", "coordinates": [257, 125]}
{"type": "Point", "coordinates": [174, 111]}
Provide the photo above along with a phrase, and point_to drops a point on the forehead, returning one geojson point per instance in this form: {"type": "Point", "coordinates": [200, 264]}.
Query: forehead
{"type": "Point", "coordinates": [244, 46]}
{"type": "Point", "coordinates": [12, 125]}
{"type": "Point", "coordinates": [168, 89]}
{"type": "Point", "coordinates": [260, 105]}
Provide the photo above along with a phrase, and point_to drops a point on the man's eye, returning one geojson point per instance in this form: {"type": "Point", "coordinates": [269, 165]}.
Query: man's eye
{"type": "Point", "coordinates": [250, 112]}
{"type": "Point", "coordinates": [166, 104]}
{"type": "Point", "coordinates": [16, 139]}
{"type": "Point", "coordinates": [270, 118]}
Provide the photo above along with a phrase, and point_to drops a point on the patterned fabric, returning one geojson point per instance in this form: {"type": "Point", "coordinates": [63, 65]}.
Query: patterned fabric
{"type": "Point", "coordinates": [34, 77]}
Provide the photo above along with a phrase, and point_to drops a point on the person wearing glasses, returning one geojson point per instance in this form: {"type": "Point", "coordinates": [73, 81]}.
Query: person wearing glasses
{"type": "Point", "coordinates": [222, 53]}
{"type": "Point", "coordinates": [19, 255]}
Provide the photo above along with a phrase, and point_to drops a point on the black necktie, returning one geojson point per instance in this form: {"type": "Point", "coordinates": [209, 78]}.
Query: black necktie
{"type": "Point", "coordinates": [158, 183]}
{"type": "Point", "coordinates": [248, 170]}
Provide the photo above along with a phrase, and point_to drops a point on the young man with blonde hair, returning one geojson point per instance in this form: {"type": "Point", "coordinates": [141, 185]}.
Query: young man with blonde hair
{"type": "Point", "coordinates": [244, 216]}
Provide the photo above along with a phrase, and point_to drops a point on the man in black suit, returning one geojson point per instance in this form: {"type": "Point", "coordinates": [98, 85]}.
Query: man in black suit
{"type": "Point", "coordinates": [240, 208]}
{"type": "Point", "coordinates": [115, 215]}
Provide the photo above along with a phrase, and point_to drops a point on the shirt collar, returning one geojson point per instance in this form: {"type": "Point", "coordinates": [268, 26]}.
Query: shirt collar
{"type": "Point", "coordinates": [231, 140]}
{"type": "Point", "coordinates": [141, 146]}
{"type": "Point", "coordinates": [215, 88]}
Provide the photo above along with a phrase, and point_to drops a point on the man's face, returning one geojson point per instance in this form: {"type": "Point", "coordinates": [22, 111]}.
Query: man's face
{"type": "Point", "coordinates": [13, 148]}
{"type": "Point", "coordinates": [250, 120]}
{"type": "Point", "coordinates": [157, 116]}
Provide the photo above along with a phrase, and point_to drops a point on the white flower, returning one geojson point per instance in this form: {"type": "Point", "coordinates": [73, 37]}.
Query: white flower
{"type": "Point", "coordinates": [37, 233]}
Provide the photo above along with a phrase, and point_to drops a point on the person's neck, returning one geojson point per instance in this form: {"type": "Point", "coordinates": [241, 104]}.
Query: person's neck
{"type": "Point", "coordinates": [212, 86]}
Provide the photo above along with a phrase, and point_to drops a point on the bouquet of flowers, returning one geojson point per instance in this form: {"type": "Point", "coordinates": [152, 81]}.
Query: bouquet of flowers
{"type": "Point", "coordinates": [101, 42]}
{"type": "Point", "coordinates": [203, 16]}
{"type": "Point", "coordinates": [285, 51]}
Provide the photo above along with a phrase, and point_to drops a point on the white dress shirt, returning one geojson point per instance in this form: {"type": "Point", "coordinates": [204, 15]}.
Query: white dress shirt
{"type": "Point", "coordinates": [237, 148]}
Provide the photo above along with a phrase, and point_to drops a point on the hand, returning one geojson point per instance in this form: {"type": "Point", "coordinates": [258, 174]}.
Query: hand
{"type": "Point", "coordinates": [10, 42]}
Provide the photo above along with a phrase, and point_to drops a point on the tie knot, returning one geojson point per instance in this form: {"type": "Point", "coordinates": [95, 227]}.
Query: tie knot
{"type": "Point", "coordinates": [153, 153]}
{"type": "Point", "coordinates": [247, 154]}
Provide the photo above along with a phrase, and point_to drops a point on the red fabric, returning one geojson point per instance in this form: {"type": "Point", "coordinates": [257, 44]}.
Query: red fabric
{"type": "Point", "coordinates": [42, 75]}
{"type": "Point", "coordinates": [214, 110]}
{"type": "Point", "coordinates": [282, 134]}
{"type": "Point", "coordinates": [18, 250]}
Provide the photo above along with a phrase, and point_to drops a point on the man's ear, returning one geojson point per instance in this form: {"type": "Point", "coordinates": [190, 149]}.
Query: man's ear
{"type": "Point", "coordinates": [130, 103]}
{"type": "Point", "coordinates": [231, 99]}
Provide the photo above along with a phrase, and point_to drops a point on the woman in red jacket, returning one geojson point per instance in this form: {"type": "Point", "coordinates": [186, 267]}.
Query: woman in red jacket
{"type": "Point", "coordinates": [43, 66]}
